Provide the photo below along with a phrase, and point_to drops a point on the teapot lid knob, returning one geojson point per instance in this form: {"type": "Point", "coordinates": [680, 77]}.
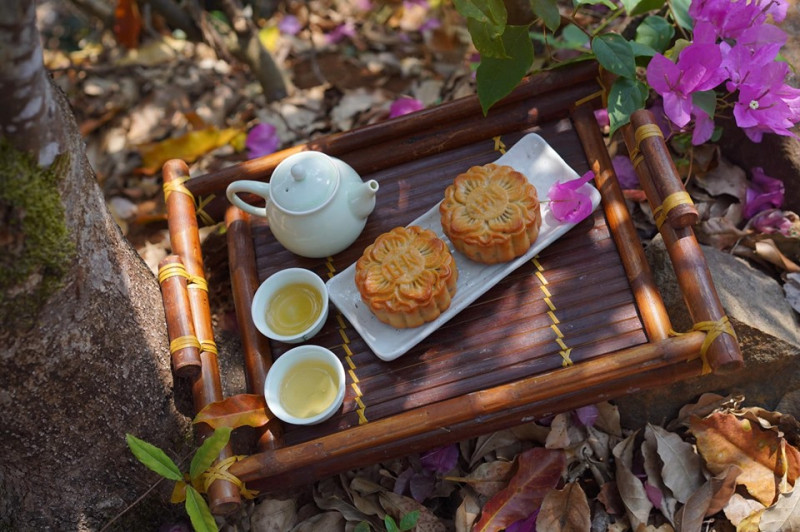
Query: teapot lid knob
{"type": "Point", "coordinates": [304, 181]}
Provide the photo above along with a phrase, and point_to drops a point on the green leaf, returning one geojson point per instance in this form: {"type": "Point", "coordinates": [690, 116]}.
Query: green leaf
{"type": "Point", "coordinates": [491, 11]}
{"type": "Point", "coordinates": [680, 12]}
{"type": "Point", "coordinates": [673, 53]}
{"type": "Point", "coordinates": [573, 35]}
{"type": "Point", "coordinates": [362, 526]}
{"type": "Point", "coordinates": [706, 100]}
{"type": "Point", "coordinates": [625, 97]}
{"type": "Point", "coordinates": [390, 524]}
{"type": "Point", "coordinates": [495, 78]}
{"type": "Point", "coordinates": [642, 50]}
{"type": "Point", "coordinates": [614, 53]}
{"type": "Point", "coordinates": [655, 32]}
{"type": "Point", "coordinates": [547, 10]}
{"type": "Point", "coordinates": [487, 38]}
{"type": "Point", "coordinates": [608, 3]}
{"type": "Point", "coordinates": [153, 457]}
{"type": "Point", "coordinates": [637, 7]}
{"type": "Point", "coordinates": [409, 520]}
{"type": "Point", "coordinates": [197, 508]}
{"type": "Point", "coordinates": [209, 451]}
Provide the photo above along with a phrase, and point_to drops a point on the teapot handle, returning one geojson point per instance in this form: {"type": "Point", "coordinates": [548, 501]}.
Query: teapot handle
{"type": "Point", "coordinates": [251, 187]}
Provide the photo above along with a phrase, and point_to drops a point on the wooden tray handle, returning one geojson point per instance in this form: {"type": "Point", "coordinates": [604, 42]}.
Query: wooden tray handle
{"type": "Point", "coordinates": [674, 205]}
{"type": "Point", "coordinates": [223, 495]}
{"type": "Point", "coordinates": [720, 351]}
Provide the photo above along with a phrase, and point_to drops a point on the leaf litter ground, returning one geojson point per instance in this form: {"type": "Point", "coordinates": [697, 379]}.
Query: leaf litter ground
{"type": "Point", "coordinates": [718, 466]}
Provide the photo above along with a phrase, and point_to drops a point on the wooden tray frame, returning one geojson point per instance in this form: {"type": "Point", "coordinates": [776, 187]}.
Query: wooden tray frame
{"type": "Point", "coordinates": [663, 359]}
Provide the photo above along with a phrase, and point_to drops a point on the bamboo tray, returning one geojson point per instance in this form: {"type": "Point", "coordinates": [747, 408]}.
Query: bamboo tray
{"type": "Point", "coordinates": [579, 323]}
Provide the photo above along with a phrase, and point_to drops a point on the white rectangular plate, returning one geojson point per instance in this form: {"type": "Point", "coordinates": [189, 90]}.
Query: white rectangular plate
{"type": "Point", "coordinates": [543, 167]}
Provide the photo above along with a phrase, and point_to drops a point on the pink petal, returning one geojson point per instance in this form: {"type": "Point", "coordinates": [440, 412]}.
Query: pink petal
{"type": "Point", "coordinates": [763, 192]}
{"type": "Point", "coordinates": [440, 460]}
{"type": "Point", "coordinates": [567, 204]}
{"type": "Point", "coordinates": [262, 140]}
{"type": "Point", "coordinates": [404, 105]}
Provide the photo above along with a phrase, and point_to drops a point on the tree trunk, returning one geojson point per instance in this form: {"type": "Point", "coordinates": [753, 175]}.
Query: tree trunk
{"type": "Point", "coordinates": [84, 351]}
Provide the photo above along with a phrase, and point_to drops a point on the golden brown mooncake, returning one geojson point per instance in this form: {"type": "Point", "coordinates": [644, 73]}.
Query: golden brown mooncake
{"type": "Point", "coordinates": [407, 276]}
{"type": "Point", "coordinates": [491, 213]}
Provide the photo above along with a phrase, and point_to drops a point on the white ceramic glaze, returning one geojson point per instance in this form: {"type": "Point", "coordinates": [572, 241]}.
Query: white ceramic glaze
{"type": "Point", "coordinates": [539, 162]}
{"type": "Point", "coordinates": [272, 284]}
{"type": "Point", "coordinates": [277, 372]}
{"type": "Point", "coordinates": [316, 205]}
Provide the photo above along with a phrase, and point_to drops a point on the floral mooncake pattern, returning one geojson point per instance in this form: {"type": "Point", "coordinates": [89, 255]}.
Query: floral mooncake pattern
{"type": "Point", "coordinates": [491, 213]}
{"type": "Point", "coordinates": [406, 277]}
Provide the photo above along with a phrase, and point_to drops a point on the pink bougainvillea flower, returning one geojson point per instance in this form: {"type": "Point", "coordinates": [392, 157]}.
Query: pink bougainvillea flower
{"type": "Point", "coordinates": [763, 192]}
{"type": "Point", "coordinates": [262, 140]}
{"type": "Point", "coordinates": [290, 25]}
{"type": "Point", "coordinates": [587, 415]}
{"type": "Point", "coordinates": [772, 221]}
{"type": "Point", "coordinates": [342, 31]}
{"type": "Point", "coordinates": [697, 69]}
{"type": "Point", "coordinates": [601, 115]}
{"type": "Point", "coordinates": [703, 126]}
{"type": "Point", "coordinates": [430, 24]}
{"type": "Point", "coordinates": [626, 174]}
{"type": "Point", "coordinates": [567, 203]}
{"type": "Point", "coordinates": [363, 5]}
{"type": "Point", "coordinates": [763, 110]}
{"type": "Point", "coordinates": [403, 106]}
{"type": "Point", "coordinates": [730, 19]}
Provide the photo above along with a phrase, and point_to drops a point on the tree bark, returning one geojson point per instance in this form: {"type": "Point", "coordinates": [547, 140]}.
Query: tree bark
{"type": "Point", "coordinates": [84, 352]}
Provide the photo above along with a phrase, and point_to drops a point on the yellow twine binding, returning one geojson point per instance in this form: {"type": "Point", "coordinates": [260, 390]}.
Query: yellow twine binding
{"type": "Point", "coordinates": [208, 346]}
{"type": "Point", "coordinates": [177, 185]}
{"type": "Point", "coordinates": [670, 202]}
{"type": "Point", "coordinates": [219, 471]}
{"type": "Point", "coordinates": [182, 342]}
{"type": "Point", "coordinates": [712, 329]}
{"type": "Point", "coordinates": [645, 132]}
{"type": "Point", "coordinates": [178, 269]}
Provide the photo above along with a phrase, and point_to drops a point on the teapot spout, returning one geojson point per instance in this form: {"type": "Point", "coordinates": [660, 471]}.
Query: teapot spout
{"type": "Point", "coordinates": [362, 199]}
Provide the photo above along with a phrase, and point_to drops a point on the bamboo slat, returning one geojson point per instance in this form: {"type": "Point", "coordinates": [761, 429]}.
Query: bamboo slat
{"type": "Point", "coordinates": [654, 314]}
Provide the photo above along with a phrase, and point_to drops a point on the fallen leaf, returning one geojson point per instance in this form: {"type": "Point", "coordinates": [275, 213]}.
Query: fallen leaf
{"type": "Point", "coordinates": [235, 411]}
{"type": "Point", "coordinates": [739, 508]}
{"type": "Point", "coordinates": [485, 445]}
{"type": "Point", "coordinates": [397, 506]}
{"type": "Point", "coordinates": [538, 471]}
{"type": "Point", "coordinates": [563, 432]}
{"type": "Point", "coordinates": [725, 178]}
{"type": "Point", "coordinates": [608, 419]}
{"type": "Point", "coordinates": [488, 478]}
{"type": "Point", "coordinates": [274, 515]}
{"type": "Point", "coordinates": [768, 250]}
{"type": "Point", "coordinates": [631, 489]}
{"type": "Point", "coordinates": [127, 23]}
{"type": "Point", "coordinates": [682, 469]}
{"type": "Point", "coordinates": [610, 498]}
{"type": "Point", "coordinates": [784, 515]}
{"type": "Point", "coordinates": [709, 499]}
{"type": "Point", "coordinates": [466, 513]}
{"type": "Point", "coordinates": [323, 521]}
{"type": "Point", "coordinates": [565, 510]}
{"type": "Point", "coordinates": [187, 147]}
{"type": "Point", "coordinates": [652, 467]}
{"type": "Point", "coordinates": [723, 439]}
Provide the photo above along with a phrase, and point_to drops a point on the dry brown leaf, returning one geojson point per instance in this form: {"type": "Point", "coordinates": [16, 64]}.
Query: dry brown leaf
{"type": "Point", "coordinates": [725, 178]}
{"type": "Point", "coordinates": [608, 419]}
{"type": "Point", "coordinates": [709, 499]}
{"type": "Point", "coordinates": [723, 439]}
{"type": "Point", "coordinates": [564, 433]}
{"type": "Point", "coordinates": [274, 515]}
{"type": "Point", "coordinates": [610, 498]}
{"type": "Point", "coordinates": [323, 521]}
{"type": "Point", "coordinates": [467, 512]}
{"type": "Point", "coordinates": [768, 250]}
{"type": "Point", "coordinates": [397, 506]}
{"type": "Point", "coordinates": [784, 515]}
{"type": "Point", "coordinates": [631, 489]}
{"type": "Point", "coordinates": [739, 508]}
{"type": "Point", "coordinates": [489, 477]}
{"type": "Point", "coordinates": [682, 469]}
{"type": "Point", "coordinates": [484, 445]}
{"type": "Point", "coordinates": [652, 467]}
{"type": "Point", "coordinates": [531, 432]}
{"type": "Point", "coordinates": [564, 510]}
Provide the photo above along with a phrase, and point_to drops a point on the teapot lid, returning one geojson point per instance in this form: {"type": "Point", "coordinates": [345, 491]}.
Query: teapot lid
{"type": "Point", "coordinates": [304, 182]}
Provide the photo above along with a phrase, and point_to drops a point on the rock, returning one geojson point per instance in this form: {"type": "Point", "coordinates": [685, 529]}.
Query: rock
{"type": "Point", "coordinates": [765, 324]}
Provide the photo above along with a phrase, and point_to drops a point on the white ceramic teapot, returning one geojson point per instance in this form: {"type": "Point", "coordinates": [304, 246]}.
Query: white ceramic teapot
{"type": "Point", "coordinates": [317, 205]}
